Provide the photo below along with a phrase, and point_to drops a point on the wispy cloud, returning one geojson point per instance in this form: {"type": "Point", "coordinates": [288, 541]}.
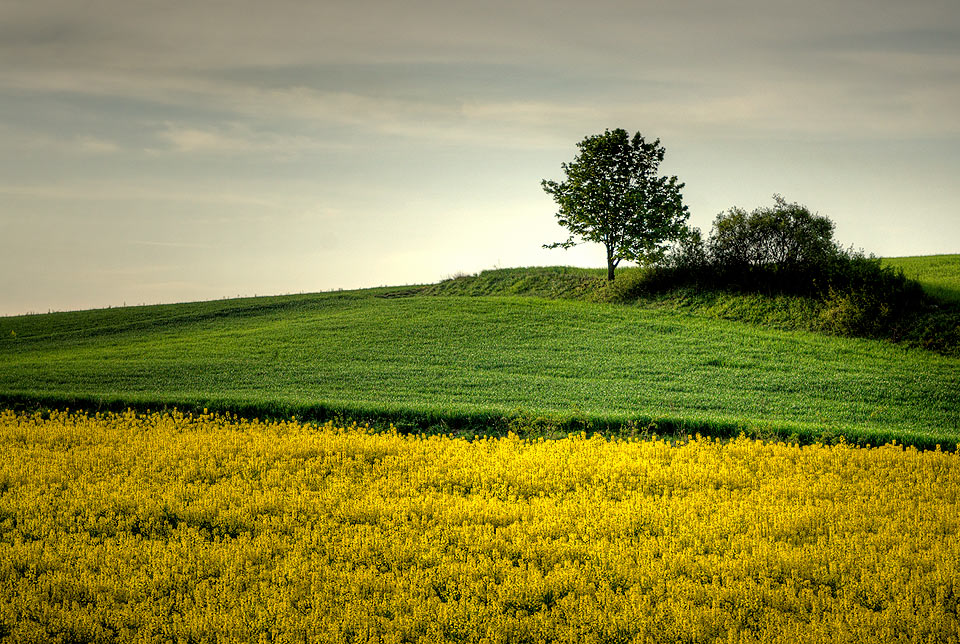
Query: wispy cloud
{"type": "Point", "coordinates": [118, 192]}
{"type": "Point", "coordinates": [195, 140]}
{"type": "Point", "coordinates": [235, 138]}
{"type": "Point", "coordinates": [169, 244]}
{"type": "Point", "coordinates": [95, 145]}
{"type": "Point", "coordinates": [72, 145]}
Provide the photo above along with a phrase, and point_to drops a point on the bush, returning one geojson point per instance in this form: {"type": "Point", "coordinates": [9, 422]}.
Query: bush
{"type": "Point", "coordinates": [785, 250]}
{"type": "Point", "coordinates": [785, 237]}
{"type": "Point", "coordinates": [779, 249]}
{"type": "Point", "coordinates": [853, 313]}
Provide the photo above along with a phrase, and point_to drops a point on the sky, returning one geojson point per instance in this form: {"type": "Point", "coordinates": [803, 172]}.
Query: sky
{"type": "Point", "coordinates": [156, 151]}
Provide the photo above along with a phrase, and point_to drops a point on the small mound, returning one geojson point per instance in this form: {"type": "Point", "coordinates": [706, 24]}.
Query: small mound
{"type": "Point", "coordinates": [555, 282]}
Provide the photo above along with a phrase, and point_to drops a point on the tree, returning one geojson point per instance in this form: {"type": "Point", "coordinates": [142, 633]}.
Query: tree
{"type": "Point", "coordinates": [613, 195]}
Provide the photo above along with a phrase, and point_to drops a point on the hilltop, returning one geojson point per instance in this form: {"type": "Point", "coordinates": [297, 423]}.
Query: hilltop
{"type": "Point", "coordinates": [933, 325]}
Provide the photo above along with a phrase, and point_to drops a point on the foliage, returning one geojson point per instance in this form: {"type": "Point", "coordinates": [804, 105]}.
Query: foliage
{"type": "Point", "coordinates": [786, 237]}
{"type": "Point", "coordinates": [613, 195]}
{"type": "Point", "coordinates": [868, 297]}
{"type": "Point", "coordinates": [468, 362]}
{"type": "Point", "coordinates": [785, 250]}
{"type": "Point", "coordinates": [160, 528]}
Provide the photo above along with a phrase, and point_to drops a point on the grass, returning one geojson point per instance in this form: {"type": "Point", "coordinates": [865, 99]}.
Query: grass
{"type": "Point", "coordinates": [932, 325]}
{"type": "Point", "coordinates": [482, 363]}
{"type": "Point", "coordinates": [550, 282]}
{"type": "Point", "coordinates": [939, 274]}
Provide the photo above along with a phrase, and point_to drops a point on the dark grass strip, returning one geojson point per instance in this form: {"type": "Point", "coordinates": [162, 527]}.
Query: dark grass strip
{"type": "Point", "coordinates": [467, 424]}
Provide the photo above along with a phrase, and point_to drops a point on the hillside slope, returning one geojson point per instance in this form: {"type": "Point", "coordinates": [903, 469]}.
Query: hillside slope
{"type": "Point", "coordinates": [938, 274]}
{"type": "Point", "coordinates": [478, 362]}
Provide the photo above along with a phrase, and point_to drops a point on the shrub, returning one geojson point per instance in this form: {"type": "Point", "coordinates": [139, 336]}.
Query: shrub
{"type": "Point", "coordinates": [780, 249]}
{"type": "Point", "coordinates": [784, 237]}
{"type": "Point", "coordinates": [784, 250]}
{"type": "Point", "coordinates": [853, 313]}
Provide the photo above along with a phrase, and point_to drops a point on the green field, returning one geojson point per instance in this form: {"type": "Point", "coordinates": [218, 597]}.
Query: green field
{"type": "Point", "coordinates": [465, 362]}
{"type": "Point", "coordinates": [939, 274]}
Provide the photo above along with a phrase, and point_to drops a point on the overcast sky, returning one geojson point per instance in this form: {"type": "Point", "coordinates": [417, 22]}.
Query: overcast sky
{"type": "Point", "coordinates": [154, 151]}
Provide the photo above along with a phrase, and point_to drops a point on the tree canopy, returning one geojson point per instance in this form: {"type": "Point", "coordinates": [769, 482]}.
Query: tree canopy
{"type": "Point", "coordinates": [614, 195]}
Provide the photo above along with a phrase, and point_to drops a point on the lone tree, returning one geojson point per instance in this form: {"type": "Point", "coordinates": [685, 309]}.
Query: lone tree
{"type": "Point", "coordinates": [613, 195]}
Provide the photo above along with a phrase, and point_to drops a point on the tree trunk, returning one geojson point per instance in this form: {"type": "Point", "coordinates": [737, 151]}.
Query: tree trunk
{"type": "Point", "coordinates": [610, 267]}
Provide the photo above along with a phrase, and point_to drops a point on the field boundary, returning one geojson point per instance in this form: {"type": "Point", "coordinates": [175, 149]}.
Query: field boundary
{"type": "Point", "coordinates": [482, 423]}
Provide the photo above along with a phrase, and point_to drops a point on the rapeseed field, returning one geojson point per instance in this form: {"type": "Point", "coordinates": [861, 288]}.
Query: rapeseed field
{"type": "Point", "coordinates": [169, 527]}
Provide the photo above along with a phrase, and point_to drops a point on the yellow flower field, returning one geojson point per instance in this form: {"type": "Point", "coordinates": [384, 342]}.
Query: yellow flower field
{"type": "Point", "coordinates": [155, 528]}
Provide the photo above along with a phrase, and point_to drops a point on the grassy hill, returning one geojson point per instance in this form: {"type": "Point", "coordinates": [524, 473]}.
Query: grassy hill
{"type": "Point", "coordinates": [939, 274]}
{"type": "Point", "coordinates": [472, 355]}
{"type": "Point", "coordinates": [931, 323]}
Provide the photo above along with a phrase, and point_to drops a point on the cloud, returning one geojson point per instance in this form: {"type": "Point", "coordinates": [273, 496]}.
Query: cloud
{"type": "Point", "coordinates": [692, 66]}
{"type": "Point", "coordinates": [120, 191]}
{"type": "Point", "coordinates": [72, 145]}
{"type": "Point", "coordinates": [95, 145]}
{"type": "Point", "coordinates": [233, 139]}
{"type": "Point", "coordinates": [168, 244]}
{"type": "Point", "coordinates": [193, 140]}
